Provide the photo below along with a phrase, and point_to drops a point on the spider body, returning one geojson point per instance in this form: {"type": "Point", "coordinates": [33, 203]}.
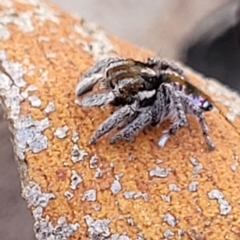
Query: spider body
{"type": "Point", "coordinates": [147, 92]}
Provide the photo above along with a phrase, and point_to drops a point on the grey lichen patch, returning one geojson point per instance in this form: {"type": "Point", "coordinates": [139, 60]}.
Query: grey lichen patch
{"type": "Point", "coordinates": [192, 187]}
{"type": "Point", "coordinates": [11, 80]}
{"type": "Point", "coordinates": [35, 101]}
{"type": "Point", "coordinates": [29, 135]}
{"type": "Point", "coordinates": [135, 195]}
{"type": "Point", "coordinates": [45, 230]}
{"type": "Point", "coordinates": [90, 195]}
{"type": "Point", "coordinates": [68, 195]}
{"type": "Point", "coordinates": [168, 233]}
{"type": "Point", "coordinates": [97, 229]}
{"type": "Point", "coordinates": [197, 166]}
{"type": "Point", "coordinates": [174, 187]}
{"type": "Point", "coordinates": [170, 219]}
{"type": "Point", "coordinates": [49, 108]}
{"type": "Point", "coordinates": [224, 206]}
{"type": "Point", "coordinates": [93, 162]}
{"type": "Point", "coordinates": [43, 227]}
{"type": "Point", "coordinates": [5, 83]}
{"type": "Point", "coordinates": [61, 132]}
{"type": "Point", "coordinates": [37, 212]}
{"type": "Point", "coordinates": [116, 187]}
{"type": "Point", "coordinates": [35, 197]}
{"type": "Point", "coordinates": [77, 154]}
{"type": "Point", "coordinates": [12, 101]}
{"type": "Point", "coordinates": [100, 47]}
{"type": "Point", "coordinates": [160, 172]}
{"type": "Point", "coordinates": [75, 180]}
{"type": "Point", "coordinates": [44, 13]}
{"type": "Point", "coordinates": [22, 20]}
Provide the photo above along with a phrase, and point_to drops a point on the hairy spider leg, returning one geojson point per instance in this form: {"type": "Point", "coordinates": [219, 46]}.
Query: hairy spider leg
{"type": "Point", "coordinates": [96, 99]}
{"type": "Point", "coordinates": [120, 116]}
{"type": "Point", "coordinates": [160, 64]}
{"type": "Point", "coordinates": [190, 107]}
{"type": "Point", "coordinates": [94, 75]}
{"type": "Point", "coordinates": [168, 105]}
{"type": "Point", "coordinates": [142, 120]}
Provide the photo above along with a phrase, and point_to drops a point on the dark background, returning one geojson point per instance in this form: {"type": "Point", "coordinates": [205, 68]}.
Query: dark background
{"type": "Point", "coordinates": [204, 34]}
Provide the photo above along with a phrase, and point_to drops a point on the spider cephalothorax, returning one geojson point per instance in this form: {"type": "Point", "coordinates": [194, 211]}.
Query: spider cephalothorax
{"type": "Point", "coordinates": [147, 93]}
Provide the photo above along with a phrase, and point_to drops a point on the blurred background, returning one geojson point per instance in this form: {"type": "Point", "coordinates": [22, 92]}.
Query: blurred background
{"type": "Point", "coordinates": [201, 33]}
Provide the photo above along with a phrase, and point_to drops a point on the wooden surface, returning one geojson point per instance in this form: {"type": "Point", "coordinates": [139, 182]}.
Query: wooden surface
{"type": "Point", "coordinates": [108, 192]}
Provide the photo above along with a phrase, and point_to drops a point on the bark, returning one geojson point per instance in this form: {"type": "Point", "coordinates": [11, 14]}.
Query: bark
{"type": "Point", "coordinates": [124, 191]}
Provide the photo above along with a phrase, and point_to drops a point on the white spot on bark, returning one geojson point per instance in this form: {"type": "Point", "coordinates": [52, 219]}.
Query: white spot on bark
{"type": "Point", "coordinates": [173, 187]}
{"type": "Point", "coordinates": [197, 165]}
{"type": "Point", "coordinates": [35, 101]}
{"type": "Point", "coordinates": [97, 228]}
{"type": "Point", "coordinates": [77, 155]}
{"type": "Point", "coordinates": [49, 108]}
{"type": "Point", "coordinates": [192, 187]}
{"type": "Point", "coordinates": [98, 173]}
{"type": "Point", "coordinates": [170, 219]}
{"type": "Point", "coordinates": [165, 198]}
{"type": "Point", "coordinates": [35, 197]}
{"type": "Point", "coordinates": [90, 195]}
{"type": "Point", "coordinates": [75, 180]}
{"type": "Point", "coordinates": [75, 136]}
{"type": "Point", "coordinates": [159, 172]}
{"type": "Point", "coordinates": [93, 161]}
{"type": "Point", "coordinates": [115, 187]}
{"type": "Point", "coordinates": [61, 132]}
{"type": "Point", "coordinates": [29, 135]}
{"type": "Point", "coordinates": [135, 195]}
{"type": "Point", "coordinates": [168, 233]}
{"type": "Point", "coordinates": [225, 207]}
{"type": "Point", "coordinates": [68, 195]}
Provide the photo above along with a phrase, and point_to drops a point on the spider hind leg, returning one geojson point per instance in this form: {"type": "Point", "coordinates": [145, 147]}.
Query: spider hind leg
{"type": "Point", "coordinates": [177, 114]}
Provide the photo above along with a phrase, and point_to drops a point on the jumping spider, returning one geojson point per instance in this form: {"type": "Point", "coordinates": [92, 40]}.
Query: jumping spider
{"type": "Point", "coordinates": [147, 92]}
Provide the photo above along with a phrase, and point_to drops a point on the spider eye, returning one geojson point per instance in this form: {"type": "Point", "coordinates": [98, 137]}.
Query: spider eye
{"type": "Point", "coordinates": [206, 105]}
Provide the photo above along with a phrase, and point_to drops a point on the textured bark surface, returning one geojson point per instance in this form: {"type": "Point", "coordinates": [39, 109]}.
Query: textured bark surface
{"type": "Point", "coordinates": [125, 191]}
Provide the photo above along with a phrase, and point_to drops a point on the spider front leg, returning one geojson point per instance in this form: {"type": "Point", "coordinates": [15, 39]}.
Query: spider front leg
{"type": "Point", "coordinates": [175, 110]}
{"type": "Point", "coordinates": [93, 75]}
{"type": "Point", "coordinates": [99, 99]}
{"type": "Point", "coordinates": [96, 99]}
{"type": "Point", "coordinates": [143, 119]}
{"type": "Point", "coordinates": [119, 117]}
{"type": "Point", "coordinates": [190, 107]}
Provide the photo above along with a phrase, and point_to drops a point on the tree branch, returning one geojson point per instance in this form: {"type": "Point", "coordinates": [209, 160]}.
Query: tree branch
{"type": "Point", "coordinates": [75, 191]}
